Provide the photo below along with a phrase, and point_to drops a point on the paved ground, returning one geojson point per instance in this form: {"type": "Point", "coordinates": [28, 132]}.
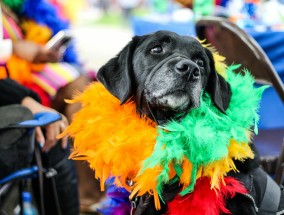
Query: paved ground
{"type": "Point", "coordinates": [97, 44]}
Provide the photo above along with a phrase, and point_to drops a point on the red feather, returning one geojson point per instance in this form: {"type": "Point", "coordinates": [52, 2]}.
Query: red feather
{"type": "Point", "coordinates": [204, 200]}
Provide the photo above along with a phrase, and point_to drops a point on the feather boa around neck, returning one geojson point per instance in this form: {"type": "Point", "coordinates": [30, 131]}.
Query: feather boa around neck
{"type": "Point", "coordinates": [205, 201]}
{"type": "Point", "coordinates": [118, 143]}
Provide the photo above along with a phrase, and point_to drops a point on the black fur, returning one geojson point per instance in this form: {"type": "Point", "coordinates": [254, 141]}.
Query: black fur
{"type": "Point", "coordinates": [157, 81]}
{"type": "Point", "coordinates": [166, 75]}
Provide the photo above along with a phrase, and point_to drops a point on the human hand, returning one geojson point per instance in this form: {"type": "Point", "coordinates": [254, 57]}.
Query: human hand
{"type": "Point", "coordinates": [35, 53]}
{"type": "Point", "coordinates": [48, 139]}
{"type": "Point", "coordinates": [51, 131]}
{"type": "Point", "coordinates": [47, 55]}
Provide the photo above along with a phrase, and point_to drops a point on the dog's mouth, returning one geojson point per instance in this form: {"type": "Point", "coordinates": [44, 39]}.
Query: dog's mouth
{"type": "Point", "coordinates": [176, 101]}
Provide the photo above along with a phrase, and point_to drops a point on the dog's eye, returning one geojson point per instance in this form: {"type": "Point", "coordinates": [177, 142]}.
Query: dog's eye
{"type": "Point", "coordinates": [157, 49]}
{"type": "Point", "coordinates": [199, 62]}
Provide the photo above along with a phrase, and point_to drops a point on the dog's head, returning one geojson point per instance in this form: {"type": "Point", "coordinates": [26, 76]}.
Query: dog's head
{"type": "Point", "coordinates": [165, 74]}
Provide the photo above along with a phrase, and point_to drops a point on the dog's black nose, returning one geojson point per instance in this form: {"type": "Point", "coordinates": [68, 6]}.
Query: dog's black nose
{"type": "Point", "coordinates": [187, 67]}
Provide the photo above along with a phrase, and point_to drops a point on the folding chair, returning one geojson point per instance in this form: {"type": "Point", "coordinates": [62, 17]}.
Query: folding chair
{"type": "Point", "coordinates": [238, 47]}
{"type": "Point", "coordinates": [18, 177]}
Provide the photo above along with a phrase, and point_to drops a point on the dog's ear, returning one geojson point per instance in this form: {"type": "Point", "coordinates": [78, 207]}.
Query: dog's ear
{"type": "Point", "coordinates": [217, 87]}
{"type": "Point", "coordinates": [117, 74]}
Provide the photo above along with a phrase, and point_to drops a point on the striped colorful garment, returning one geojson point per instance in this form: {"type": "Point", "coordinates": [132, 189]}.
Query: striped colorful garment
{"type": "Point", "coordinates": [49, 77]}
{"type": "Point", "coordinates": [54, 76]}
{"type": "Point", "coordinates": [10, 28]}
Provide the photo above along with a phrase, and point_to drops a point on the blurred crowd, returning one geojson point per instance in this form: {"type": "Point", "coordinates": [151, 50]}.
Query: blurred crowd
{"type": "Point", "coordinates": [245, 12]}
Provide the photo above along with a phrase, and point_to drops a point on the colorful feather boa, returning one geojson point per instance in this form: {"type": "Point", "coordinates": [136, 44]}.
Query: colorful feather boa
{"type": "Point", "coordinates": [45, 14]}
{"type": "Point", "coordinates": [204, 200]}
{"type": "Point", "coordinates": [116, 201]}
{"type": "Point", "coordinates": [118, 143]}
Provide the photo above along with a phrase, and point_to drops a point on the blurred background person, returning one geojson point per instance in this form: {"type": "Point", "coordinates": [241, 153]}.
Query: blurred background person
{"type": "Point", "coordinates": [53, 75]}
{"type": "Point", "coordinates": [127, 6]}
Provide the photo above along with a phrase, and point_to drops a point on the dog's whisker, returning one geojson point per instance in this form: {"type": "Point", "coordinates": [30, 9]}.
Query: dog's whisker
{"type": "Point", "coordinates": [154, 118]}
{"type": "Point", "coordinates": [150, 66]}
{"type": "Point", "coordinates": [188, 77]}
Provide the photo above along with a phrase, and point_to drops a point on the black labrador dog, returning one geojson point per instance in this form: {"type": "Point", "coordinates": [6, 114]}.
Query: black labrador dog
{"type": "Point", "coordinates": [165, 74]}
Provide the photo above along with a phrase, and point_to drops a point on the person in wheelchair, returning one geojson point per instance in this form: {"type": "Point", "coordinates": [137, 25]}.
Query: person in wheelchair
{"type": "Point", "coordinates": [54, 153]}
{"type": "Point", "coordinates": [54, 74]}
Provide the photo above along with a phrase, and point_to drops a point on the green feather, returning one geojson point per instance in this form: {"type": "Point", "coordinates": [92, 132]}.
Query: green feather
{"type": "Point", "coordinates": [204, 134]}
{"type": "Point", "coordinates": [15, 5]}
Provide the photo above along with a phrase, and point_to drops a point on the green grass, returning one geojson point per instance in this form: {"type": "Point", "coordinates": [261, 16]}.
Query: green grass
{"type": "Point", "coordinates": [115, 18]}
{"type": "Point", "coordinates": [111, 18]}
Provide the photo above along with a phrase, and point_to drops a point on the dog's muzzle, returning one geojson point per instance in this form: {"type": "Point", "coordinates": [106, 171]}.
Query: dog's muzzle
{"type": "Point", "coordinates": [169, 81]}
{"type": "Point", "coordinates": [169, 87]}
{"type": "Point", "coordinates": [184, 66]}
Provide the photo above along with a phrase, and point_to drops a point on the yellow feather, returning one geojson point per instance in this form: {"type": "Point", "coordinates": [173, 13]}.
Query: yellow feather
{"type": "Point", "coordinates": [35, 32]}
{"type": "Point", "coordinates": [112, 151]}
{"type": "Point", "coordinates": [218, 169]}
{"type": "Point", "coordinates": [186, 173]}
